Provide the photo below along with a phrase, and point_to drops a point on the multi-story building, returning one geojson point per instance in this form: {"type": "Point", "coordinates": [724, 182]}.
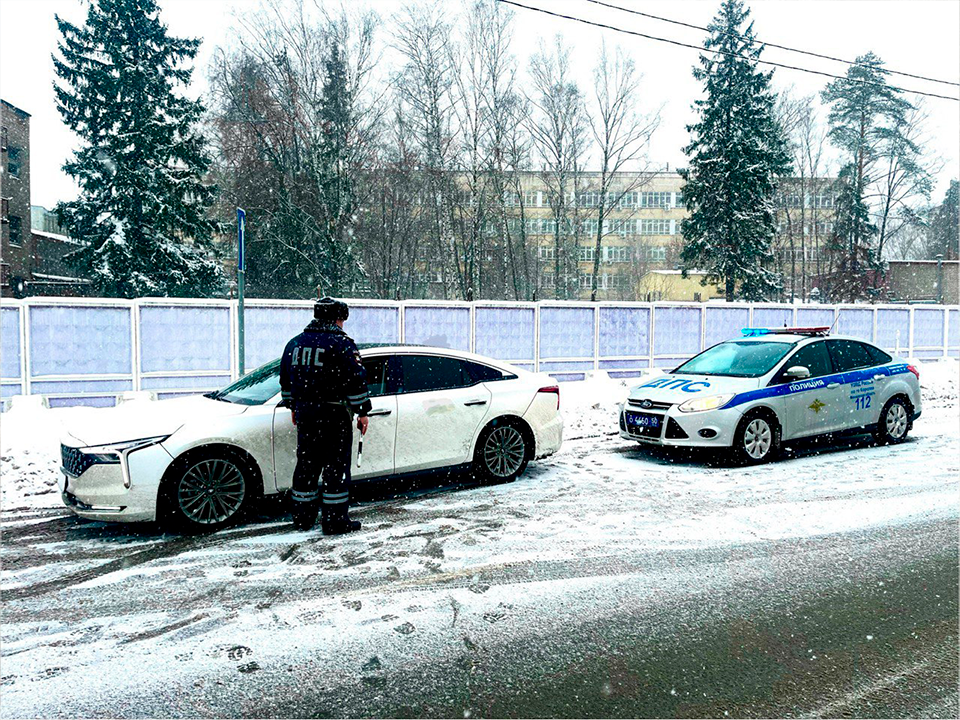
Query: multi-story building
{"type": "Point", "coordinates": [641, 242]}
{"type": "Point", "coordinates": [641, 227]}
{"type": "Point", "coordinates": [16, 242]}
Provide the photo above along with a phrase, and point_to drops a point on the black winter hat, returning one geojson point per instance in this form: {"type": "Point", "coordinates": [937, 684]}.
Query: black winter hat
{"type": "Point", "coordinates": [330, 310]}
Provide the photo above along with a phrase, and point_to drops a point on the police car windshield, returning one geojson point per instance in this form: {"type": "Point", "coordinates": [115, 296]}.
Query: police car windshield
{"type": "Point", "coordinates": [252, 389]}
{"type": "Point", "coordinates": [737, 359]}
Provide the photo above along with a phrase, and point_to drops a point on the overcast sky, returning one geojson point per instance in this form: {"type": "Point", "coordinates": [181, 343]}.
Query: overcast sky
{"type": "Point", "coordinates": [915, 36]}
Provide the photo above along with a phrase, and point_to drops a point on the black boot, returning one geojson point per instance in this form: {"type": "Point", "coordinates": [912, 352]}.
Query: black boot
{"type": "Point", "coordinates": [337, 522]}
{"type": "Point", "coordinates": [304, 515]}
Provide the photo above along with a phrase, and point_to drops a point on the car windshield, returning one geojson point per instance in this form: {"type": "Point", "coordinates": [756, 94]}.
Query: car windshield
{"type": "Point", "coordinates": [253, 389]}
{"type": "Point", "coordinates": [737, 359]}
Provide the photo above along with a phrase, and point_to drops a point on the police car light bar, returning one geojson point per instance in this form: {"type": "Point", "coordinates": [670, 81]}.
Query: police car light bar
{"type": "Point", "coordinates": [757, 332]}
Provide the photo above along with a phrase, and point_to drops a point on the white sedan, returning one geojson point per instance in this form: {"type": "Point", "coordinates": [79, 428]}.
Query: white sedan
{"type": "Point", "coordinates": [750, 394]}
{"type": "Point", "coordinates": [205, 459]}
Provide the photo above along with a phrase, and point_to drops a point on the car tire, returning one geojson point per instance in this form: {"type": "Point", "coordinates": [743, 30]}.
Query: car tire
{"type": "Point", "coordinates": [209, 490]}
{"type": "Point", "coordinates": [502, 452]}
{"type": "Point", "coordinates": [757, 439]}
{"type": "Point", "coordinates": [894, 422]}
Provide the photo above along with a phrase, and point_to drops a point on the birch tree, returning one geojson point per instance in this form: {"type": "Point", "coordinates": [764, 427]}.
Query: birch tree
{"type": "Point", "coordinates": [621, 135]}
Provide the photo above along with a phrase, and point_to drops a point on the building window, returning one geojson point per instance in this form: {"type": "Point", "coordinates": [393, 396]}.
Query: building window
{"type": "Point", "coordinates": [530, 199]}
{"type": "Point", "coordinates": [14, 161]}
{"type": "Point", "coordinates": [16, 230]}
{"type": "Point", "coordinates": [793, 200]}
{"type": "Point", "coordinates": [619, 254]}
{"type": "Point", "coordinates": [652, 253]}
{"type": "Point", "coordinates": [586, 254]}
{"type": "Point", "coordinates": [546, 253]}
{"type": "Point", "coordinates": [548, 281]}
{"type": "Point", "coordinates": [511, 199]}
{"type": "Point", "coordinates": [824, 201]}
{"type": "Point", "coordinates": [655, 227]}
{"type": "Point", "coordinates": [4, 209]}
{"type": "Point", "coordinates": [654, 200]}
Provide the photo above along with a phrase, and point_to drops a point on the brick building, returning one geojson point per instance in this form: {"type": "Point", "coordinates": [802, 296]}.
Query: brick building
{"type": "Point", "coordinates": [16, 241]}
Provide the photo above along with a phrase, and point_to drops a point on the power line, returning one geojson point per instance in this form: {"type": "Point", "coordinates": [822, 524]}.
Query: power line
{"type": "Point", "coordinates": [720, 52]}
{"type": "Point", "coordinates": [769, 44]}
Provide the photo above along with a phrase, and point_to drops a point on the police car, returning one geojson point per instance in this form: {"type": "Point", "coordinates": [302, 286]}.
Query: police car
{"type": "Point", "coordinates": [771, 385]}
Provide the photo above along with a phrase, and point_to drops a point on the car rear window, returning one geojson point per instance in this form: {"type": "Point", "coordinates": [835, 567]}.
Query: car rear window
{"type": "Point", "coordinates": [737, 358]}
{"type": "Point", "coordinates": [849, 355]}
{"type": "Point", "coordinates": [421, 373]}
{"type": "Point", "coordinates": [877, 356]}
{"type": "Point", "coordinates": [484, 373]}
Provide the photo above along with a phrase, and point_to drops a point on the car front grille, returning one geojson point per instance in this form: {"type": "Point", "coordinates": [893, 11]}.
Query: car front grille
{"type": "Point", "coordinates": [651, 404]}
{"type": "Point", "coordinates": [74, 461]}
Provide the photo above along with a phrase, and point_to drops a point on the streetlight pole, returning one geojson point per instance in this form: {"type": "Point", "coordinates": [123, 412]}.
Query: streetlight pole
{"type": "Point", "coordinates": [241, 272]}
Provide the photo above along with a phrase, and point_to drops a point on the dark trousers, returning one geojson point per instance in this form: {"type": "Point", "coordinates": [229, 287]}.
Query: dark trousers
{"type": "Point", "coordinates": [322, 475]}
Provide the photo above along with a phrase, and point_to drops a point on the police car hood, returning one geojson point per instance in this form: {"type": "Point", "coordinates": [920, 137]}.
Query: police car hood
{"type": "Point", "coordinates": [680, 387]}
{"type": "Point", "coordinates": [144, 419]}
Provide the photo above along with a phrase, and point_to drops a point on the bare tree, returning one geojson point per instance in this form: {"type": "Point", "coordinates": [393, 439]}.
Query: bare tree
{"type": "Point", "coordinates": [804, 200]}
{"type": "Point", "coordinates": [559, 129]}
{"type": "Point", "coordinates": [621, 135]}
{"type": "Point", "coordinates": [903, 178]}
{"type": "Point", "coordinates": [426, 85]}
{"type": "Point", "coordinates": [294, 112]}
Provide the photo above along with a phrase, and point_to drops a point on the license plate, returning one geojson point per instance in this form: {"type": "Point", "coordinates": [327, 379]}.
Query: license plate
{"type": "Point", "coordinates": [642, 420]}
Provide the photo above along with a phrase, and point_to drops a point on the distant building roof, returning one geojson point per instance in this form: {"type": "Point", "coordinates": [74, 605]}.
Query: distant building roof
{"type": "Point", "coordinates": [14, 108]}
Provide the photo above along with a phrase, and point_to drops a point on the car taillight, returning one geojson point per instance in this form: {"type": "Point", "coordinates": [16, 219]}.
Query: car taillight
{"type": "Point", "coordinates": [552, 389]}
{"type": "Point", "coordinates": [913, 369]}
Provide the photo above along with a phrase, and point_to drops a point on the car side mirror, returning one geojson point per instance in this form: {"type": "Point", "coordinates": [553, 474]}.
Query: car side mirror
{"type": "Point", "coordinates": [797, 372]}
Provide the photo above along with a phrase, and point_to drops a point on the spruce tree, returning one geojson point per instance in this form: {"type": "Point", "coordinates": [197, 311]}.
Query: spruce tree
{"type": "Point", "coordinates": [334, 176]}
{"type": "Point", "coordinates": [865, 114]}
{"type": "Point", "coordinates": [944, 225]}
{"type": "Point", "coordinates": [737, 153]}
{"type": "Point", "coordinates": [141, 211]}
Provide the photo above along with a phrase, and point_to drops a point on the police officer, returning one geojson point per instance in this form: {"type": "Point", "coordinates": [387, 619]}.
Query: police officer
{"type": "Point", "coordinates": [324, 384]}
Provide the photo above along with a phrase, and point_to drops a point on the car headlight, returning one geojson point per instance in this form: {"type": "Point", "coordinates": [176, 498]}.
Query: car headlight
{"type": "Point", "coordinates": [713, 402]}
{"type": "Point", "coordinates": [111, 452]}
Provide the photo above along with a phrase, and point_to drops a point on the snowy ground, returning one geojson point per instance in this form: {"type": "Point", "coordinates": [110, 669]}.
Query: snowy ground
{"type": "Point", "coordinates": [429, 573]}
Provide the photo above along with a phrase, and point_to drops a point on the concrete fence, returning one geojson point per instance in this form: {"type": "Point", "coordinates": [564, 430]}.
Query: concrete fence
{"type": "Point", "coordinates": [87, 351]}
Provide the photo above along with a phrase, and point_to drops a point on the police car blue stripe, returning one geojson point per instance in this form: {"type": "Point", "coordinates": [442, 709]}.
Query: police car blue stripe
{"type": "Point", "coordinates": [815, 383]}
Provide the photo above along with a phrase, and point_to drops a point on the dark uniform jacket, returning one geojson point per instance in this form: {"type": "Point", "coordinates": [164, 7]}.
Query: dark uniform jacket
{"type": "Point", "coordinates": [322, 365]}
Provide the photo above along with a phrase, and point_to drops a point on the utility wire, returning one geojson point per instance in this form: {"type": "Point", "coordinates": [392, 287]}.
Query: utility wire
{"type": "Point", "coordinates": [768, 44]}
{"type": "Point", "coordinates": [720, 52]}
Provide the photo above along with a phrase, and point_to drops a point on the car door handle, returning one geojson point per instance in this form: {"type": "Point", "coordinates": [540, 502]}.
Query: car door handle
{"type": "Point", "coordinates": [382, 411]}
{"type": "Point", "coordinates": [879, 377]}
{"type": "Point", "coordinates": [475, 402]}
{"type": "Point", "coordinates": [831, 386]}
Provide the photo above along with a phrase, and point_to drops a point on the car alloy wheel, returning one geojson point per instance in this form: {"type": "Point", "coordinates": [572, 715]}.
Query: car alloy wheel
{"type": "Point", "coordinates": [757, 439]}
{"type": "Point", "coordinates": [503, 451]}
{"type": "Point", "coordinates": [896, 421]}
{"type": "Point", "coordinates": [211, 491]}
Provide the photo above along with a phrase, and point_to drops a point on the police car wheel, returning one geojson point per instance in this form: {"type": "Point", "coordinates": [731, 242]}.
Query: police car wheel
{"type": "Point", "coordinates": [208, 491]}
{"type": "Point", "coordinates": [894, 422]}
{"type": "Point", "coordinates": [757, 439]}
{"type": "Point", "coordinates": [501, 454]}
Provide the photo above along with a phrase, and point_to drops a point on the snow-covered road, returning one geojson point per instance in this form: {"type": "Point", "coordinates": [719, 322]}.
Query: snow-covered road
{"type": "Point", "coordinates": [96, 615]}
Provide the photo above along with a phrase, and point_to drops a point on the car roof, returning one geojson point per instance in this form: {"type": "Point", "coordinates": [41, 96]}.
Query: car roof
{"type": "Point", "coordinates": [788, 338]}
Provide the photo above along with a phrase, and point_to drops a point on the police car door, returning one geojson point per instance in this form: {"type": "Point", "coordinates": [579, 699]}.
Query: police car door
{"type": "Point", "coordinates": [377, 443]}
{"type": "Point", "coordinates": [439, 410]}
{"type": "Point", "coordinates": [809, 404]}
{"type": "Point", "coordinates": [859, 385]}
